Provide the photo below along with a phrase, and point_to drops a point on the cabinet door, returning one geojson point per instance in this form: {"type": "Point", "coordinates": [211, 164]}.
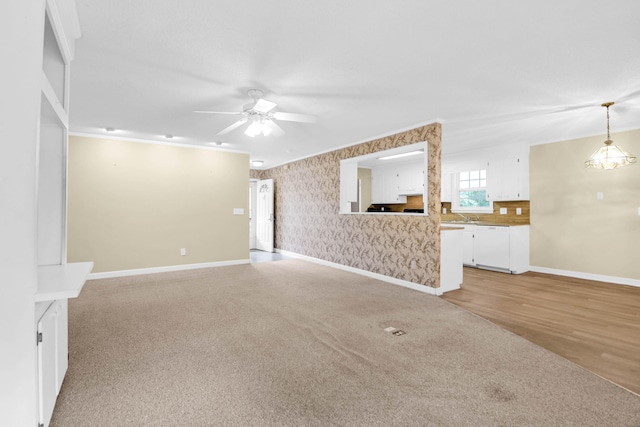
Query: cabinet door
{"type": "Point", "coordinates": [47, 389]}
{"type": "Point", "coordinates": [411, 179]}
{"type": "Point", "coordinates": [377, 188]}
{"type": "Point", "coordinates": [508, 176]}
{"type": "Point", "coordinates": [492, 247]}
{"type": "Point", "coordinates": [467, 248]}
{"type": "Point", "coordinates": [494, 179]}
{"type": "Point", "coordinates": [445, 187]}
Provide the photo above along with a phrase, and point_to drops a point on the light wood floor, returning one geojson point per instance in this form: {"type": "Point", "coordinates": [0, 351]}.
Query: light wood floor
{"type": "Point", "coordinates": [594, 324]}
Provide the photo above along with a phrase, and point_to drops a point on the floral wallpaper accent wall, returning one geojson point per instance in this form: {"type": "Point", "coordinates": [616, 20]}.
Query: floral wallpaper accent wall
{"type": "Point", "coordinates": [307, 199]}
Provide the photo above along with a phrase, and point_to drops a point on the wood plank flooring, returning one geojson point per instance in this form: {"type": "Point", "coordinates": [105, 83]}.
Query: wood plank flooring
{"type": "Point", "coordinates": [594, 324]}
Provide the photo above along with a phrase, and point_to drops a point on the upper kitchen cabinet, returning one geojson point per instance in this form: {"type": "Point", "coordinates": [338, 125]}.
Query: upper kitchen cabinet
{"type": "Point", "coordinates": [411, 179]}
{"type": "Point", "coordinates": [508, 173]}
{"type": "Point", "coordinates": [446, 191]}
{"type": "Point", "coordinates": [385, 186]}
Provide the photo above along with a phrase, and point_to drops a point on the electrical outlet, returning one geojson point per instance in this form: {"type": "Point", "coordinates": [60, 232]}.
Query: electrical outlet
{"type": "Point", "coordinates": [413, 264]}
{"type": "Point", "coordinates": [444, 210]}
{"type": "Point", "coordinates": [518, 211]}
{"type": "Point", "coordinates": [600, 195]}
{"type": "Point", "coordinates": [503, 211]}
{"type": "Point", "coordinates": [183, 251]}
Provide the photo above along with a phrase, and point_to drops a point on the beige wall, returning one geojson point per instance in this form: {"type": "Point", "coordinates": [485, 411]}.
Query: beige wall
{"type": "Point", "coordinates": [307, 201]}
{"type": "Point", "coordinates": [133, 205]}
{"type": "Point", "coordinates": [570, 229]}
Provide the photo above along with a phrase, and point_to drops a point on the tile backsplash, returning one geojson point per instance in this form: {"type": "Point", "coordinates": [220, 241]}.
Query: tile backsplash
{"type": "Point", "coordinates": [510, 218]}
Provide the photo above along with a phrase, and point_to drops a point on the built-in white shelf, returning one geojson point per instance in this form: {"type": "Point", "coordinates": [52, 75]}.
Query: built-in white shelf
{"type": "Point", "coordinates": [62, 281]}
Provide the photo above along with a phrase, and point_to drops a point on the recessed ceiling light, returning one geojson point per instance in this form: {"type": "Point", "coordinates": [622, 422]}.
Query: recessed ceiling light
{"type": "Point", "coordinates": [257, 162]}
{"type": "Point", "coordinates": [168, 136]}
{"type": "Point", "coordinates": [216, 143]}
{"type": "Point", "coordinates": [109, 129]}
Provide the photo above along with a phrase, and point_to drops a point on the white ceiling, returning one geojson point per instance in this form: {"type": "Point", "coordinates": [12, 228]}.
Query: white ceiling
{"type": "Point", "coordinates": [493, 71]}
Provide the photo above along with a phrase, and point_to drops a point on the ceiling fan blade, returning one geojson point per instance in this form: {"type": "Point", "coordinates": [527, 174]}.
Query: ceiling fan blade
{"type": "Point", "coordinates": [264, 106]}
{"type": "Point", "coordinates": [233, 126]}
{"type": "Point", "coordinates": [219, 112]}
{"type": "Point", "coordinates": [275, 129]}
{"type": "Point", "coordinates": [293, 117]}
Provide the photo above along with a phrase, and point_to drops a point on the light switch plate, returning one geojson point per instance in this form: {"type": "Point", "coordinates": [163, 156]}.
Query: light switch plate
{"type": "Point", "coordinates": [503, 211]}
{"type": "Point", "coordinates": [238, 211]}
{"type": "Point", "coordinates": [600, 195]}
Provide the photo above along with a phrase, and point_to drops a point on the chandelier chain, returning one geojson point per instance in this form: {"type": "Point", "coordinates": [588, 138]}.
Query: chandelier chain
{"type": "Point", "coordinates": [608, 136]}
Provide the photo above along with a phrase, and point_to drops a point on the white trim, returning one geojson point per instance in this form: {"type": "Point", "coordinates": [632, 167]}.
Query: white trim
{"type": "Point", "coordinates": [404, 283]}
{"type": "Point", "coordinates": [53, 12]}
{"type": "Point", "coordinates": [151, 270]}
{"type": "Point", "coordinates": [587, 276]}
{"type": "Point", "coordinates": [51, 97]}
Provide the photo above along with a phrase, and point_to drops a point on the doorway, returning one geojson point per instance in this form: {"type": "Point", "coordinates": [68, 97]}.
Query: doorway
{"type": "Point", "coordinates": [261, 215]}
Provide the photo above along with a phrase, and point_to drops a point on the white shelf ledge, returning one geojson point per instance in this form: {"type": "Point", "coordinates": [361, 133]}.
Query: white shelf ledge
{"type": "Point", "coordinates": [62, 281]}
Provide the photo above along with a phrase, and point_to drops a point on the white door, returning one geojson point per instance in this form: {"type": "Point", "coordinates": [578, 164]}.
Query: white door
{"type": "Point", "coordinates": [253, 189]}
{"type": "Point", "coordinates": [264, 216]}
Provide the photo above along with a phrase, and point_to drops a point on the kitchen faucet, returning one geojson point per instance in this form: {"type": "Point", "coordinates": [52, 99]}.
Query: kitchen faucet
{"type": "Point", "coordinates": [466, 218]}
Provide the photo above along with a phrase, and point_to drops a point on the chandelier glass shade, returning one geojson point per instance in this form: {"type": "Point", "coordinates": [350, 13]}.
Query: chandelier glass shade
{"type": "Point", "coordinates": [610, 156]}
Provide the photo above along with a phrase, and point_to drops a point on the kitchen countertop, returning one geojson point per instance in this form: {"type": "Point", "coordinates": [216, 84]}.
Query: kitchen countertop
{"type": "Point", "coordinates": [450, 228]}
{"type": "Point", "coordinates": [484, 223]}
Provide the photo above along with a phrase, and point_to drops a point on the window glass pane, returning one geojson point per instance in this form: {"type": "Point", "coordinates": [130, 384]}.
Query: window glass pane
{"type": "Point", "coordinates": [483, 174]}
{"type": "Point", "coordinates": [474, 174]}
{"type": "Point", "coordinates": [483, 183]}
{"type": "Point", "coordinates": [474, 184]}
{"type": "Point", "coordinates": [464, 184]}
{"type": "Point", "coordinates": [464, 176]}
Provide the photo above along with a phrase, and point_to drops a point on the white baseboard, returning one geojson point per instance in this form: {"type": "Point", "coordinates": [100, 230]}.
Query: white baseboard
{"type": "Point", "coordinates": [151, 270]}
{"type": "Point", "coordinates": [404, 283]}
{"type": "Point", "coordinates": [587, 276]}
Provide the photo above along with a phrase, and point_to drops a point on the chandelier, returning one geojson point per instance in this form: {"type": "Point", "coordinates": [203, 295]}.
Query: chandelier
{"type": "Point", "coordinates": [610, 156]}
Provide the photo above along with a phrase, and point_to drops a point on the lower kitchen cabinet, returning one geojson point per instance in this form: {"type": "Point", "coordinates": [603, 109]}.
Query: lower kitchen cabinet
{"type": "Point", "coordinates": [450, 259]}
{"type": "Point", "coordinates": [500, 248]}
{"type": "Point", "coordinates": [468, 253]}
{"type": "Point", "coordinates": [52, 355]}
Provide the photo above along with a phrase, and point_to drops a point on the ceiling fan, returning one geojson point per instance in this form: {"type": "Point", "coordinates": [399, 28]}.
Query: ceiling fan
{"type": "Point", "coordinates": [260, 116]}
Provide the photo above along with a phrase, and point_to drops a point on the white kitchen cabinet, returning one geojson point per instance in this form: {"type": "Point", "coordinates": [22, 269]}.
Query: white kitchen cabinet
{"type": "Point", "coordinates": [411, 179]}
{"type": "Point", "coordinates": [508, 174]}
{"type": "Point", "coordinates": [519, 249]}
{"type": "Point", "coordinates": [450, 260]}
{"type": "Point", "coordinates": [446, 190]}
{"type": "Point", "coordinates": [52, 356]}
{"type": "Point", "coordinates": [384, 186]}
{"type": "Point", "coordinates": [468, 252]}
{"type": "Point", "coordinates": [491, 247]}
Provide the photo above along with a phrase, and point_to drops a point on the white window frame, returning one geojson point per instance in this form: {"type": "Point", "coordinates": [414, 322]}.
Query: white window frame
{"type": "Point", "coordinates": [455, 199]}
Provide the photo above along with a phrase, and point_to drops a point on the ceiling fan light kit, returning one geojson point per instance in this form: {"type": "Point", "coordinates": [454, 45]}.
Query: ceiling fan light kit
{"type": "Point", "coordinates": [610, 156]}
{"type": "Point", "coordinates": [261, 117]}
